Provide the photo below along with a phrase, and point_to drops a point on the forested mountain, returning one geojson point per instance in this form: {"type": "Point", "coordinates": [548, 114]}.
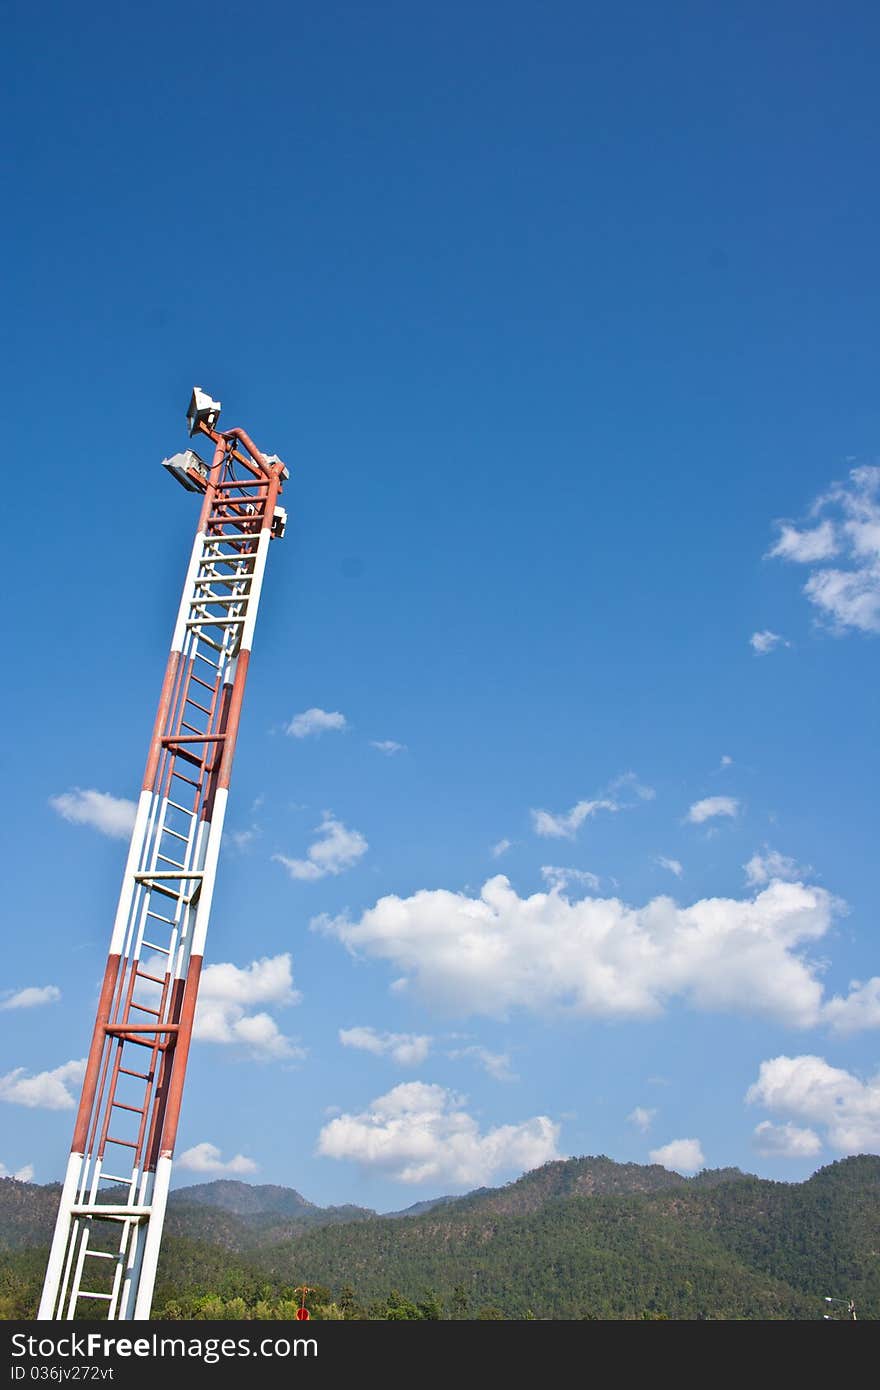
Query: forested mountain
{"type": "Point", "coordinates": [581, 1238]}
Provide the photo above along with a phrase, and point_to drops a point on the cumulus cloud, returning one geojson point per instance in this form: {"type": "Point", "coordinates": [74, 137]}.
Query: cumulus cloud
{"type": "Point", "coordinates": [641, 1117]}
{"type": "Point", "coordinates": [315, 721]}
{"type": "Point", "coordinates": [558, 879]}
{"type": "Point", "coordinates": [805, 547]}
{"type": "Point", "coordinates": [857, 1010]}
{"type": "Point", "coordinates": [566, 825]}
{"type": "Point", "coordinates": [681, 1155]}
{"type": "Point", "coordinates": [598, 957]}
{"type": "Point", "coordinates": [387, 746]}
{"type": "Point", "coordinates": [337, 849]}
{"type": "Point", "coordinates": [228, 994]}
{"type": "Point", "coordinates": [32, 997]}
{"type": "Point", "coordinates": [764, 642]}
{"type": "Point", "coordinates": [499, 848]}
{"type": "Point", "coordinates": [419, 1133]}
{"type": "Point", "coordinates": [24, 1174]}
{"type": "Point", "coordinates": [406, 1049]}
{"type": "Point", "coordinates": [761, 868]}
{"type": "Point", "coordinates": [785, 1141]}
{"type": "Point", "coordinates": [112, 815]}
{"type": "Point", "coordinates": [46, 1090]}
{"type": "Point", "coordinates": [712, 806]}
{"type": "Point", "coordinates": [726, 760]}
{"type": "Point", "coordinates": [847, 596]}
{"type": "Point", "coordinates": [206, 1158]}
{"type": "Point", "coordinates": [495, 1064]}
{"type": "Point", "coordinates": [673, 865]}
{"type": "Point", "coordinates": [808, 1089]}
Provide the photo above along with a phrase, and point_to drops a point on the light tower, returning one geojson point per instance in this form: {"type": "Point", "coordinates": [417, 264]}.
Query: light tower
{"type": "Point", "coordinates": [109, 1226]}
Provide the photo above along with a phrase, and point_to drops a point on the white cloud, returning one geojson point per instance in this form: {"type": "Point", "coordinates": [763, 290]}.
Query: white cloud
{"type": "Point", "coordinates": [206, 1158]}
{"type": "Point", "coordinates": [641, 1118]}
{"type": "Point", "coordinates": [726, 760]}
{"type": "Point", "coordinates": [558, 879]}
{"type": "Point", "coordinates": [857, 1010]}
{"type": "Point", "coordinates": [805, 547]}
{"type": "Point", "coordinates": [785, 1141]}
{"type": "Point", "coordinates": [499, 848]}
{"type": "Point", "coordinates": [598, 957]}
{"type": "Point", "coordinates": [419, 1133]}
{"type": "Point", "coordinates": [24, 1174]}
{"type": "Point", "coordinates": [712, 806]}
{"type": "Point", "coordinates": [495, 1064]}
{"type": "Point", "coordinates": [566, 825]}
{"type": "Point", "coordinates": [766, 641]}
{"type": "Point", "coordinates": [32, 997]}
{"type": "Point", "coordinates": [628, 781]}
{"type": "Point", "coordinates": [406, 1049]}
{"type": "Point", "coordinates": [337, 850]}
{"type": "Point", "coordinates": [673, 865]}
{"type": "Point", "coordinates": [806, 1088]}
{"type": "Point", "coordinates": [227, 993]}
{"type": "Point", "coordinates": [848, 598]}
{"type": "Point", "coordinates": [761, 868]}
{"type": "Point", "coordinates": [681, 1155]}
{"type": "Point", "coordinates": [387, 746]}
{"type": "Point", "coordinates": [851, 599]}
{"type": "Point", "coordinates": [112, 815]}
{"type": "Point", "coordinates": [46, 1090]}
{"type": "Point", "coordinates": [315, 721]}
{"type": "Point", "coordinates": [244, 839]}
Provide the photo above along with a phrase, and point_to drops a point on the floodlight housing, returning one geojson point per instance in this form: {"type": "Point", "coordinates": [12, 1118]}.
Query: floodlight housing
{"type": "Point", "coordinates": [273, 459]}
{"type": "Point", "coordinates": [279, 523]}
{"type": "Point", "coordinates": [189, 470]}
{"type": "Point", "coordinates": [202, 411]}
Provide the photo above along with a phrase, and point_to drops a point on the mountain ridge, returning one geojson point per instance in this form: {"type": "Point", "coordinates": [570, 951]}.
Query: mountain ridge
{"type": "Point", "coordinates": [574, 1238]}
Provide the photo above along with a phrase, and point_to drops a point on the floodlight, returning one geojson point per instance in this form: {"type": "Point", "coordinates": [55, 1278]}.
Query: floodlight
{"type": "Point", "coordinates": [189, 470]}
{"type": "Point", "coordinates": [279, 523]}
{"type": "Point", "coordinates": [272, 459]}
{"type": "Point", "coordinates": [202, 411]}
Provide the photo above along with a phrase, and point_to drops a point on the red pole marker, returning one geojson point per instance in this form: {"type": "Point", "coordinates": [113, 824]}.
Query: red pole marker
{"type": "Point", "coordinates": [302, 1313]}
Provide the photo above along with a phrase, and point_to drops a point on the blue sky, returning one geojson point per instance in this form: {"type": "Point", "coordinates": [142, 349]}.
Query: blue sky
{"type": "Point", "coordinates": [565, 321]}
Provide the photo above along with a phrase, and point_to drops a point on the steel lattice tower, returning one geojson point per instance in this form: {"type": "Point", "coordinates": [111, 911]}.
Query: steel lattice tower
{"type": "Point", "coordinates": [109, 1226]}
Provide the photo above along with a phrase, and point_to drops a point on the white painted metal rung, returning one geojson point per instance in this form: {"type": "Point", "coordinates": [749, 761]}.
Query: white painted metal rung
{"type": "Point", "coordinates": [86, 1293]}
{"type": "Point", "coordinates": [145, 875]}
{"type": "Point", "coordinates": [229, 581]}
{"type": "Point", "coordinates": [208, 621]}
{"type": "Point", "coordinates": [101, 1255]}
{"type": "Point", "coordinates": [112, 1177]}
{"type": "Point", "coordinates": [113, 1211]}
{"type": "Point", "coordinates": [202, 599]}
{"type": "Point", "coordinates": [227, 557]}
{"type": "Point", "coordinates": [187, 811]}
{"type": "Point", "coordinates": [220, 620]}
{"type": "Point", "coordinates": [166, 860]}
{"type": "Point", "coordinates": [166, 830]}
